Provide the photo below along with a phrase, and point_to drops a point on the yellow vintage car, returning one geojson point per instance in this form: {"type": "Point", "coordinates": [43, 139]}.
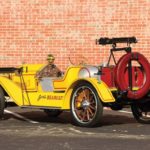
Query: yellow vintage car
{"type": "Point", "coordinates": [79, 90]}
{"type": "Point", "coordinates": [83, 89]}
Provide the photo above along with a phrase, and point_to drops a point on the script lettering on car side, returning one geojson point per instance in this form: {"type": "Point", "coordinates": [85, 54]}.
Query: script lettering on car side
{"type": "Point", "coordinates": [49, 97]}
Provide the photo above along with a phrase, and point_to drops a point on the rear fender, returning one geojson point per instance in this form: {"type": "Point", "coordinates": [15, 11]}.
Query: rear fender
{"type": "Point", "coordinates": [102, 89]}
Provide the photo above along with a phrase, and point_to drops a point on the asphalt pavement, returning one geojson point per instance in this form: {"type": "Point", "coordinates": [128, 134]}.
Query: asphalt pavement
{"type": "Point", "coordinates": [25, 129]}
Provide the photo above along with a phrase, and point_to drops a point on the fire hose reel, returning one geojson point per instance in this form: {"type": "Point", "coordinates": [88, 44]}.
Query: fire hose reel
{"type": "Point", "coordinates": [121, 68]}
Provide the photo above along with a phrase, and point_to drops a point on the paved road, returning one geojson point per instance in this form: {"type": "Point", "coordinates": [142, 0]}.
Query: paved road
{"type": "Point", "coordinates": [25, 129]}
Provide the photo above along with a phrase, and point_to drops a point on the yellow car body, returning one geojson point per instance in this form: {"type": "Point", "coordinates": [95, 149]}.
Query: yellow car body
{"type": "Point", "coordinates": [26, 91]}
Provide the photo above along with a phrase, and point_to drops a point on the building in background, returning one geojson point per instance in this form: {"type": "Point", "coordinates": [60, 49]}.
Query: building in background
{"type": "Point", "coordinates": [29, 30]}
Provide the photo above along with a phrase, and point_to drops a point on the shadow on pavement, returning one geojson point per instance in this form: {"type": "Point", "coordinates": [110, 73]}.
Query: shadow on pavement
{"type": "Point", "coordinates": [65, 118]}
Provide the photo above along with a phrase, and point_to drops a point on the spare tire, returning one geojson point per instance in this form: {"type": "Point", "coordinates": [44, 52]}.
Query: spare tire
{"type": "Point", "coordinates": [120, 71]}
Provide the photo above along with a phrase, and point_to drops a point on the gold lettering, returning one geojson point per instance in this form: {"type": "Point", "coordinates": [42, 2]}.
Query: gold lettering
{"type": "Point", "coordinates": [41, 97]}
{"type": "Point", "coordinates": [49, 97]}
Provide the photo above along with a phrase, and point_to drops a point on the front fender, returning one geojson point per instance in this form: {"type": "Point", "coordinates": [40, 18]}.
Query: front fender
{"type": "Point", "coordinates": [102, 89]}
{"type": "Point", "coordinates": [12, 89]}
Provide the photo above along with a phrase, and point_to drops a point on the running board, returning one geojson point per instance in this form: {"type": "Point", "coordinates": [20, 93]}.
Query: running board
{"type": "Point", "coordinates": [39, 107]}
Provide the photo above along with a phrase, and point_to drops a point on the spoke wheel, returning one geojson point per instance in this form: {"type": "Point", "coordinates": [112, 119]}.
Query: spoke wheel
{"type": "Point", "coordinates": [86, 107]}
{"type": "Point", "coordinates": [2, 102]}
{"type": "Point", "coordinates": [141, 112]}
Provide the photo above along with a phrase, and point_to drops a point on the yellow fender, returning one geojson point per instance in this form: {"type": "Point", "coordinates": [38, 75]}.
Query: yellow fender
{"type": "Point", "coordinates": [13, 90]}
{"type": "Point", "coordinates": [102, 89]}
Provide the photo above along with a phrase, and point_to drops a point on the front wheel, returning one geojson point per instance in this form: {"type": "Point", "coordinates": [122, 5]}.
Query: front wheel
{"type": "Point", "coordinates": [141, 112]}
{"type": "Point", "coordinates": [86, 107]}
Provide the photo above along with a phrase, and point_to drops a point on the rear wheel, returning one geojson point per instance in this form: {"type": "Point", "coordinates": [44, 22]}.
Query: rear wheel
{"type": "Point", "coordinates": [2, 103]}
{"type": "Point", "coordinates": [141, 112]}
{"type": "Point", "coordinates": [86, 107]}
{"type": "Point", "coordinates": [52, 113]}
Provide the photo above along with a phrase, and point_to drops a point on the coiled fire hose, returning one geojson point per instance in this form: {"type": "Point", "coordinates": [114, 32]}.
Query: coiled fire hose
{"type": "Point", "coordinates": [120, 75]}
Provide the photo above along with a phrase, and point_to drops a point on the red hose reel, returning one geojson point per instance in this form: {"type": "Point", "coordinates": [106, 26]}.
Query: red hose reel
{"type": "Point", "coordinates": [121, 68]}
{"type": "Point", "coordinates": [127, 77]}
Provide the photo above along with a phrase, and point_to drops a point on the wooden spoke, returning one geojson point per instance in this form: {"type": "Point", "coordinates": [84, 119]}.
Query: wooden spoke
{"type": "Point", "coordinates": [88, 115]}
{"type": "Point", "coordinates": [93, 108]}
{"type": "Point", "coordinates": [79, 114]}
{"type": "Point", "coordinates": [87, 93]}
{"type": "Point", "coordinates": [90, 112]}
{"type": "Point", "coordinates": [84, 115]}
{"type": "Point", "coordinates": [92, 99]}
